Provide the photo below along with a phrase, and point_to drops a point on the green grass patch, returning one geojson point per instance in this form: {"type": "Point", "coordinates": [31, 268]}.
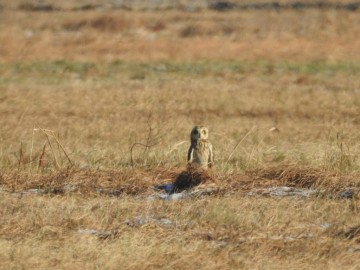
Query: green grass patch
{"type": "Point", "coordinates": [66, 71]}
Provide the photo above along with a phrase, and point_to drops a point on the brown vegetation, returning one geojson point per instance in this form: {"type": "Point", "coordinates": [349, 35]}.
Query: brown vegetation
{"type": "Point", "coordinates": [96, 108]}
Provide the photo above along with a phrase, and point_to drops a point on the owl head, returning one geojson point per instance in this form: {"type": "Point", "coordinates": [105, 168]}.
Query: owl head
{"type": "Point", "coordinates": [199, 132]}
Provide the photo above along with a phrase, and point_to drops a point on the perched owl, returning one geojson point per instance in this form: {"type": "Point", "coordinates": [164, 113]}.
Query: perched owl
{"type": "Point", "coordinates": [200, 152]}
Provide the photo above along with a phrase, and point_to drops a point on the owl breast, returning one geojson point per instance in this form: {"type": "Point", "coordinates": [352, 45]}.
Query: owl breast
{"type": "Point", "coordinates": [202, 152]}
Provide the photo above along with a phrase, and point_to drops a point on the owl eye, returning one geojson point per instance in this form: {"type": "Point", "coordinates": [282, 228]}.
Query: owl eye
{"type": "Point", "coordinates": [195, 132]}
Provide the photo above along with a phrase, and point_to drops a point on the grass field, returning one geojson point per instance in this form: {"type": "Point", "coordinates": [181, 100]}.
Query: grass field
{"type": "Point", "coordinates": [97, 106]}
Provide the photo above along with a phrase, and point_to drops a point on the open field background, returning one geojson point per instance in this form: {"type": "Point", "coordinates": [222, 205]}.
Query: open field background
{"type": "Point", "coordinates": [96, 107]}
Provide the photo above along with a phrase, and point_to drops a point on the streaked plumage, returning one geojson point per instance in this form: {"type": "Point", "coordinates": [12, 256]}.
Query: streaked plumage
{"type": "Point", "coordinates": [200, 152]}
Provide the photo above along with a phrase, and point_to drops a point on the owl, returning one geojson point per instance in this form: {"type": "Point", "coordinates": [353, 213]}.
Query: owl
{"type": "Point", "coordinates": [200, 152]}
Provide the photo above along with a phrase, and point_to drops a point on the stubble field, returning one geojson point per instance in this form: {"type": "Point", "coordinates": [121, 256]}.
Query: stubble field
{"type": "Point", "coordinates": [96, 108]}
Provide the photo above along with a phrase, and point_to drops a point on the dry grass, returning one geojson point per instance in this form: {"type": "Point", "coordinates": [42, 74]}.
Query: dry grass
{"type": "Point", "coordinates": [45, 232]}
{"type": "Point", "coordinates": [177, 36]}
{"type": "Point", "coordinates": [90, 182]}
{"type": "Point", "coordinates": [97, 108]}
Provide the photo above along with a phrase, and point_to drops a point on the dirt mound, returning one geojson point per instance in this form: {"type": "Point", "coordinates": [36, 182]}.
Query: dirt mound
{"type": "Point", "coordinates": [307, 177]}
{"type": "Point", "coordinates": [81, 181]}
{"type": "Point", "coordinates": [191, 177]}
{"type": "Point", "coordinates": [133, 181]}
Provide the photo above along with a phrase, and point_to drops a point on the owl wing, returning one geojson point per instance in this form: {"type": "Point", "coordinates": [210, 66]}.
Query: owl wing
{"type": "Point", "coordinates": [190, 153]}
{"type": "Point", "coordinates": [211, 156]}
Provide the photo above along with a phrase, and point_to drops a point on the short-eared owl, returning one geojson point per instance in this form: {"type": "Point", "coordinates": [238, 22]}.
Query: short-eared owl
{"type": "Point", "coordinates": [200, 152]}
